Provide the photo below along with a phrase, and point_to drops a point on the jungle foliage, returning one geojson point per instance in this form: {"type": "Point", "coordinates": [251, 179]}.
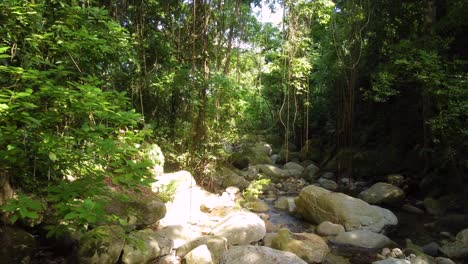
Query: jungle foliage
{"type": "Point", "coordinates": [87, 86]}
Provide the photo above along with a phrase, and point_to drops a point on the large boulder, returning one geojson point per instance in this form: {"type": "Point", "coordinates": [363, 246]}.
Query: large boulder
{"type": "Point", "coordinates": [362, 240]}
{"type": "Point", "coordinates": [259, 255]}
{"type": "Point", "coordinates": [459, 248]}
{"type": "Point", "coordinates": [383, 193]}
{"type": "Point", "coordinates": [140, 209]}
{"type": "Point", "coordinates": [309, 247]}
{"type": "Point", "coordinates": [293, 166]}
{"type": "Point", "coordinates": [230, 178]}
{"type": "Point", "coordinates": [17, 245]}
{"type": "Point", "coordinates": [257, 154]}
{"type": "Point", "coordinates": [311, 172]}
{"type": "Point", "coordinates": [317, 205]}
{"type": "Point", "coordinates": [101, 245]}
{"type": "Point", "coordinates": [277, 174]}
{"type": "Point", "coordinates": [241, 228]}
{"type": "Point", "coordinates": [179, 181]}
{"type": "Point", "coordinates": [147, 245]}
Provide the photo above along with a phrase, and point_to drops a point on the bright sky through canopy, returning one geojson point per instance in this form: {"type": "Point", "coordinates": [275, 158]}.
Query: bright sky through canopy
{"type": "Point", "coordinates": [265, 15]}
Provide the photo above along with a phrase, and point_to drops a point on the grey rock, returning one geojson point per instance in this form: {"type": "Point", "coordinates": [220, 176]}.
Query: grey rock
{"type": "Point", "coordinates": [293, 166]}
{"type": "Point", "coordinates": [327, 228]}
{"type": "Point", "coordinates": [362, 239]}
{"type": "Point", "coordinates": [241, 228]}
{"type": "Point", "coordinates": [431, 249]}
{"type": "Point", "coordinates": [149, 245]}
{"type": "Point", "coordinates": [459, 248]}
{"type": "Point", "coordinates": [383, 193]}
{"type": "Point", "coordinates": [442, 260]}
{"type": "Point", "coordinates": [318, 205]}
{"type": "Point", "coordinates": [330, 185]}
{"type": "Point", "coordinates": [259, 255]}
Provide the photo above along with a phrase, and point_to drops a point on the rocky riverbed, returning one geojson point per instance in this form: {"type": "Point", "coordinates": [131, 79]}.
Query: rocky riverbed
{"type": "Point", "coordinates": [304, 215]}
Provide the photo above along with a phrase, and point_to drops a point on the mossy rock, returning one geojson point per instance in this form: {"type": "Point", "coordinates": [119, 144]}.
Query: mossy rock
{"type": "Point", "coordinates": [241, 160]}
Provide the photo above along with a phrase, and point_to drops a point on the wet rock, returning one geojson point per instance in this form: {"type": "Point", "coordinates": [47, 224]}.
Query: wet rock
{"type": "Point", "coordinates": [328, 176]}
{"type": "Point", "coordinates": [412, 209]}
{"type": "Point", "coordinates": [286, 204]}
{"type": "Point", "coordinates": [148, 246]}
{"type": "Point", "coordinates": [294, 166]}
{"type": "Point", "coordinates": [309, 247]}
{"type": "Point", "coordinates": [311, 172]}
{"type": "Point", "coordinates": [330, 185]}
{"type": "Point", "coordinates": [16, 245]}
{"type": "Point", "coordinates": [276, 173]}
{"type": "Point", "coordinates": [257, 206]}
{"type": "Point", "coordinates": [432, 249]}
{"type": "Point", "coordinates": [102, 245]}
{"type": "Point", "coordinates": [230, 178]}
{"type": "Point", "coordinates": [442, 260]}
{"type": "Point", "coordinates": [362, 240]}
{"type": "Point", "coordinates": [327, 228]}
{"type": "Point", "coordinates": [416, 251]}
{"type": "Point", "coordinates": [459, 248]}
{"type": "Point", "coordinates": [259, 255]}
{"type": "Point", "coordinates": [433, 206]}
{"type": "Point", "coordinates": [396, 179]}
{"type": "Point", "coordinates": [383, 193]}
{"type": "Point", "coordinates": [318, 205]}
{"type": "Point", "coordinates": [241, 228]}
{"type": "Point", "coordinates": [335, 259]}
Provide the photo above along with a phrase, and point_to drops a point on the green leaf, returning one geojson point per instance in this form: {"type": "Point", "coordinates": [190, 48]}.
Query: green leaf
{"type": "Point", "coordinates": [70, 216]}
{"type": "Point", "coordinates": [32, 214]}
{"type": "Point", "coordinates": [52, 156]}
{"type": "Point", "coordinates": [14, 218]}
{"type": "Point", "coordinates": [3, 49]}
